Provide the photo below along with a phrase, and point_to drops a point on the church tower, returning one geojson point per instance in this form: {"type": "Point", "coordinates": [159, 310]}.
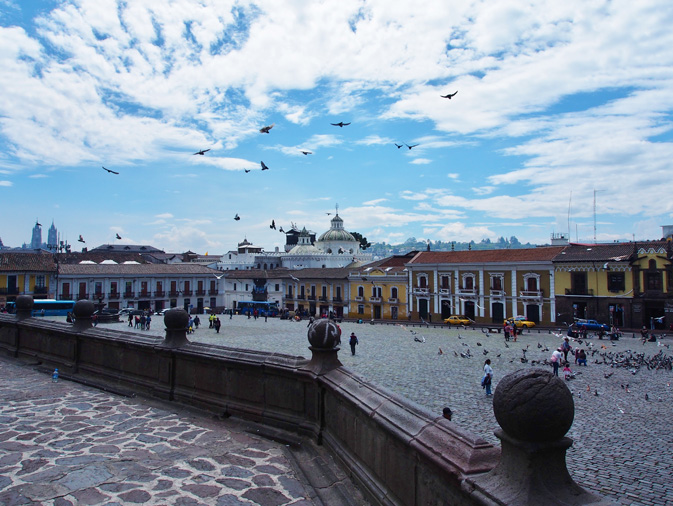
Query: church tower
{"type": "Point", "coordinates": [52, 236]}
{"type": "Point", "coordinates": [36, 241]}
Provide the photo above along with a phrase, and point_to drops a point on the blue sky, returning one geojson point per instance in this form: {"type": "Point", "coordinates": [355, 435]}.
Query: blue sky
{"type": "Point", "coordinates": [557, 102]}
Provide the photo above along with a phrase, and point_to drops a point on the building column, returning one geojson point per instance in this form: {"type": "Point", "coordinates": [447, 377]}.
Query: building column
{"type": "Point", "coordinates": [435, 297]}
{"type": "Point", "coordinates": [481, 293]}
{"type": "Point", "coordinates": [515, 295]}
{"type": "Point", "coordinates": [552, 297]}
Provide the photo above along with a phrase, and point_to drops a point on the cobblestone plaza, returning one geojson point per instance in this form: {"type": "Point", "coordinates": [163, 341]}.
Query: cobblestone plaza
{"type": "Point", "coordinates": [621, 436]}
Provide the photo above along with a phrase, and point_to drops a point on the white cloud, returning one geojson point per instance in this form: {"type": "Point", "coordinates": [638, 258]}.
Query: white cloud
{"type": "Point", "coordinates": [420, 161]}
{"type": "Point", "coordinates": [5, 183]}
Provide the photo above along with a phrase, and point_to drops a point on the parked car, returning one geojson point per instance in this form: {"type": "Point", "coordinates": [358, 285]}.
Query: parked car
{"type": "Point", "coordinates": [520, 322]}
{"type": "Point", "coordinates": [457, 320]}
{"type": "Point", "coordinates": [590, 325]}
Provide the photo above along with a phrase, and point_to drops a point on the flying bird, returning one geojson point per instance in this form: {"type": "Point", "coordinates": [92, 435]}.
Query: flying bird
{"type": "Point", "coordinates": [264, 167]}
{"type": "Point", "coordinates": [202, 152]}
{"type": "Point", "coordinates": [246, 170]}
{"type": "Point", "coordinates": [340, 124]}
{"type": "Point", "coordinates": [110, 171]}
{"type": "Point", "coordinates": [237, 217]}
{"type": "Point", "coordinates": [398, 145]}
{"type": "Point", "coordinates": [118, 236]}
{"type": "Point", "coordinates": [281, 230]}
{"type": "Point", "coordinates": [412, 146]}
{"type": "Point", "coordinates": [449, 96]}
{"type": "Point", "coordinates": [273, 224]}
{"type": "Point", "coordinates": [81, 239]}
{"type": "Point", "coordinates": [307, 152]}
{"type": "Point", "coordinates": [218, 277]}
{"type": "Point", "coordinates": [266, 129]}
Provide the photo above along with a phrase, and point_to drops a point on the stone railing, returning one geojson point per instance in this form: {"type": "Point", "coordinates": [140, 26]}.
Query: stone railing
{"type": "Point", "coordinates": [396, 451]}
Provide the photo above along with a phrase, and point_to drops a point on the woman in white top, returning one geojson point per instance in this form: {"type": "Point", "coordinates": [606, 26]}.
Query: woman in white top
{"type": "Point", "coordinates": [488, 376]}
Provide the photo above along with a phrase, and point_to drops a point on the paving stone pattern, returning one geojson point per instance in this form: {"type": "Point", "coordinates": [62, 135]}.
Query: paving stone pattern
{"type": "Point", "coordinates": [66, 444]}
{"type": "Point", "coordinates": [622, 441]}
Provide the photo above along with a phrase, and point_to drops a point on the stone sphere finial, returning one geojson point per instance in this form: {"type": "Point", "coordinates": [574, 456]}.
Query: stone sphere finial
{"type": "Point", "coordinates": [533, 405]}
{"type": "Point", "coordinates": [83, 309]}
{"type": "Point", "coordinates": [176, 319]}
{"type": "Point", "coordinates": [324, 334]}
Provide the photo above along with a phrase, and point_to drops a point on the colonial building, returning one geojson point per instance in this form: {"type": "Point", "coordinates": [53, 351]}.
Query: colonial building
{"type": "Point", "coordinates": [380, 289]}
{"type": "Point", "coordinates": [143, 286]}
{"type": "Point", "coordinates": [24, 273]}
{"type": "Point", "coordinates": [486, 286]}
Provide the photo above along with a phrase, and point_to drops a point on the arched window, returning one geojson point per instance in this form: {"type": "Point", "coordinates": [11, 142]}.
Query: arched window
{"type": "Point", "coordinates": [361, 291]}
{"type": "Point", "coordinates": [393, 292]}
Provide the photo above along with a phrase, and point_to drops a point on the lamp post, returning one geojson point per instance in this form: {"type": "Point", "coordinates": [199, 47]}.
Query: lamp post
{"type": "Point", "coordinates": [56, 250]}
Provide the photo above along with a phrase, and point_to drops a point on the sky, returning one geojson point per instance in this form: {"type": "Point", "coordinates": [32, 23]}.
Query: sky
{"type": "Point", "coordinates": [562, 121]}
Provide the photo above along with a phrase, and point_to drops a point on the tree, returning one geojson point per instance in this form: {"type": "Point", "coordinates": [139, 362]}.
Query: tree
{"type": "Point", "coordinates": [364, 244]}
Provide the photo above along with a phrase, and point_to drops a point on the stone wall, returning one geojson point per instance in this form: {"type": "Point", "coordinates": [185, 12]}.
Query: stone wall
{"type": "Point", "coordinates": [398, 452]}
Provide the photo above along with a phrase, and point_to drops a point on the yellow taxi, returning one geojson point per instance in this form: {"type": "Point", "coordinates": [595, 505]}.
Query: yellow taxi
{"type": "Point", "coordinates": [457, 320]}
{"type": "Point", "coordinates": [520, 322]}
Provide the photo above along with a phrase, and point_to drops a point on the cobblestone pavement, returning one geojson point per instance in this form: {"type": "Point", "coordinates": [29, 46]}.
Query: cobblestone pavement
{"type": "Point", "coordinates": [622, 438]}
{"type": "Point", "coordinates": [66, 444]}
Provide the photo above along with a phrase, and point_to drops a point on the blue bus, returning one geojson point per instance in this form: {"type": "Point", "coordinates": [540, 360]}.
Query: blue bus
{"type": "Point", "coordinates": [263, 308]}
{"type": "Point", "coordinates": [47, 307]}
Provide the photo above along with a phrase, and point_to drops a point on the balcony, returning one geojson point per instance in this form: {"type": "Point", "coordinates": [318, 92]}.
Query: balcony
{"type": "Point", "coordinates": [98, 296]}
{"type": "Point", "coordinates": [467, 291]}
{"type": "Point", "coordinates": [497, 292]}
{"type": "Point", "coordinates": [337, 299]}
{"type": "Point", "coordinates": [301, 296]}
{"type": "Point", "coordinates": [159, 293]}
{"type": "Point", "coordinates": [359, 299]}
{"type": "Point", "coordinates": [579, 291]}
{"type": "Point", "coordinates": [173, 293]}
{"type": "Point", "coordinates": [444, 291]}
{"type": "Point", "coordinates": [145, 294]}
{"type": "Point", "coordinates": [113, 295]}
{"type": "Point", "coordinates": [322, 299]}
{"type": "Point", "coordinates": [531, 294]}
{"type": "Point", "coordinates": [289, 296]}
{"type": "Point", "coordinates": [213, 291]}
{"type": "Point", "coordinates": [40, 290]}
{"type": "Point", "coordinates": [311, 297]}
{"type": "Point", "coordinates": [187, 293]}
{"type": "Point", "coordinates": [82, 296]}
{"type": "Point", "coordinates": [9, 291]}
{"type": "Point", "coordinates": [417, 290]}
{"type": "Point", "coordinates": [393, 300]}
{"type": "Point", "coordinates": [374, 299]}
{"type": "Point", "coordinates": [129, 295]}
{"type": "Point", "coordinates": [65, 296]}
{"type": "Point", "coordinates": [200, 292]}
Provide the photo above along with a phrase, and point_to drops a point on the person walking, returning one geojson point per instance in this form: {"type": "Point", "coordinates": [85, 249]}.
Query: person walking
{"type": "Point", "coordinates": [217, 324]}
{"type": "Point", "coordinates": [488, 377]}
{"type": "Point", "coordinates": [353, 341]}
{"type": "Point", "coordinates": [556, 360]}
{"type": "Point", "coordinates": [565, 347]}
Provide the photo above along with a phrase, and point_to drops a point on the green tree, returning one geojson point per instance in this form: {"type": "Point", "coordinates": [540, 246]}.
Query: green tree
{"type": "Point", "coordinates": [364, 243]}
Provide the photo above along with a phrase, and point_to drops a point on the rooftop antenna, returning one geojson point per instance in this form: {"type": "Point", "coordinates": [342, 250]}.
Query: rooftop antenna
{"type": "Point", "coordinates": [337, 209]}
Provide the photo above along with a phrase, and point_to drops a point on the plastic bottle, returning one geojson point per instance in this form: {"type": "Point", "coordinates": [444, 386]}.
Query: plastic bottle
{"type": "Point", "coordinates": [54, 376]}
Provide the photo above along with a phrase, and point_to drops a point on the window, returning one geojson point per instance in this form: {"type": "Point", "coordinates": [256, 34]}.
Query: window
{"type": "Point", "coordinates": [361, 291]}
{"type": "Point", "coordinates": [423, 282]}
{"type": "Point", "coordinates": [496, 283]}
{"type": "Point", "coordinates": [531, 284]}
{"type": "Point", "coordinates": [234, 286]}
{"type": "Point", "coordinates": [39, 281]}
{"type": "Point", "coordinates": [277, 287]}
{"type": "Point", "coordinates": [246, 287]}
{"type": "Point", "coordinates": [445, 282]}
{"type": "Point", "coordinates": [469, 283]}
{"type": "Point", "coordinates": [393, 293]}
{"type": "Point", "coordinates": [128, 287]}
{"type": "Point", "coordinates": [393, 313]}
{"type": "Point", "coordinates": [653, 281]}
{"type": "Point", "coordinates": [578, 283]}
{"type": "Point", "coordinates": [361, 309]}
{"type": "Point", "coordinates": [616, 282]}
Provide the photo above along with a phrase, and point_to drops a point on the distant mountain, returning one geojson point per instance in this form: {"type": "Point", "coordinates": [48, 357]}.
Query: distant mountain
{"type": "Point", "coordinates": [381, 249]}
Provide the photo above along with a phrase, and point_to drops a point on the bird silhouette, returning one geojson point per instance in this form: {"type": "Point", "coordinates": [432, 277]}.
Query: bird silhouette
{"type": "Point", "coordinates": [110, 171]}
{"type": "Point", "coordinates": [307, 152]}
{"type": "Point", "coordinates": [281, 230]}
{"type": "Point", "coordinates": [449, 96]}
{"type": "Point", "coordinates": [237, 217]}
{"type": "Point", "coordinates": [118, 236]}
{"type": "Point", "coordinates": [398, 145]}
{"type": "Point", "coordinates": [266, 129]}
{"type": "Point", "coordinates": [273, 224]}
{"type": "Point", "coordinates": [246, 170]}
{"type": "Point", "coordinates": [218, 277]}
{"type": "Point", "coordinates": [412, 146]}
{"type": "Point", "coordinates": [340, 124]}
{"type": "Point", "coordinates": [202, 152]}
{"type": "Point", "coordinates": [264, 167]}
{"type": "Point", "coordinates": [81, 239]}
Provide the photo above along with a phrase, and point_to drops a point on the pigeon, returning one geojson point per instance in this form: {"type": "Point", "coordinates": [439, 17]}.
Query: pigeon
{"type": "Point", "coordinates": [539, 345]}
{"type": "Point", "coordinates": [421, 340]}
{"type": "Point", "coordinates": [81, 239]}
{"type": "Point", "coordinates": [281, 230]}
{"type": "Point", "coordinates": [412, 146]}
{"type": "Point", "coordinates": [608, 375]}
{"type": "Point", "coordinates": [647, 397]}
{"type": "Point", "coordinates": [118, 236]}
{"type": "Point", "coordinates": [449, 95]}
{"type": "Point", "coordinates": [440, 352]}
{"type": "Point", "coordinates": [246, 170]}
{"type": "Point", "coordinates": [306, 153]}
{"type": "Point", "coordinates": [478, 343]}
{"type": "Point", "coordinates": [202, 152]}
{"type": "Point", "coordinates": [398, 145]}
{"type": "Point", "coordinates": [218, 277]}
{"type": "Point", "coordinates": [264, 167]}
{"type": "Point", "coordinates": [110, 171]}
{"type": "Point", "coordinates": [273, 224]}
{"type": "Point", "coordinates": [596, 393]}
{"type": "Point", "coordinates": [237, 217]}
{"type": "Point", "coordinates": [340, 124]}
{"type": "Point", "coordinates": [485, 352]}
{"type": "Point", "coordinates": [455, 353]}
{"type": "Point", "coordinates": [266, 129]}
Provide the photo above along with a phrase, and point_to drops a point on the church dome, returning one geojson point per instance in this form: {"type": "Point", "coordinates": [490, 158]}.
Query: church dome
{"type": "Point", "coordinates": [304, 247]}
{"type": "Point", "coordinates": [337, 232]}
